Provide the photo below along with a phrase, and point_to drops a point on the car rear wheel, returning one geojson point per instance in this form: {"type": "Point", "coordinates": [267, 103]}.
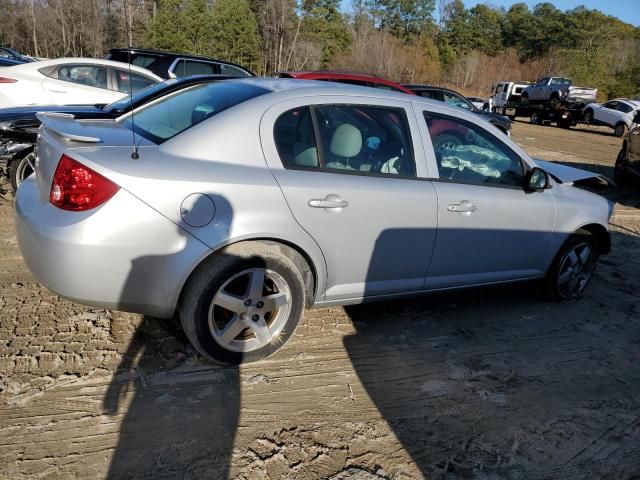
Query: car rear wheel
{"type": "Point", "coordinates": [573, 267]}
{"type": "Point", "coordinates": [524, 98]}
{"type": "Point", "coordinates": [535, 119]}
{"type": "Point", "coordinates": [243, 303]}
{"type": "Point", "coordinates": [619, 130]}
{"type": "Point", "coordinates": [20, 169]}
{"type": "Point", "coordinates": [588, 117]}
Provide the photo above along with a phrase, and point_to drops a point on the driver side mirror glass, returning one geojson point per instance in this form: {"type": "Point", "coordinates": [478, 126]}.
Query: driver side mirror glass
{"type": "Point", "coordinates": [537, 180]}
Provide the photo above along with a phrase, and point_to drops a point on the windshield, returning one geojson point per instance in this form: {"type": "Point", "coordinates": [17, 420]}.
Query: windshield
{"type": "Point", "coordinates": [456, 101]}
{"type": "Point", "coordinates": [560, 81]}
{"type": "Point", "coordinates": [124, 104]}
{"type": "Point", "coordinates": [175, 113]}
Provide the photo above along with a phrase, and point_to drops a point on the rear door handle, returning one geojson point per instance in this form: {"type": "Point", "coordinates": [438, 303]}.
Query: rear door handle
{"type": "Point", "coordinates": [465, 206]}
{"type": "Point", "coordinates": [330, 201]}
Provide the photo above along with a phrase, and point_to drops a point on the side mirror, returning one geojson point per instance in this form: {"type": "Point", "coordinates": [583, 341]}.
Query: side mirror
{"type": "Point", "coordinates": [172, 75]}
{"type": "Point", "coordinates": [636, 119]}
{"type": "Point", "coordinates": [537, 180]}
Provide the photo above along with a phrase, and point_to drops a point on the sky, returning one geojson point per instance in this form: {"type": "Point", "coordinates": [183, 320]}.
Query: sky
{"type": "Point", "coordinates": [626, 10]}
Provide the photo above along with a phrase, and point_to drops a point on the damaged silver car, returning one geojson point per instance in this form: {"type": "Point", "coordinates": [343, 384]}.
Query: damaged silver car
{"type": "Point", "coordinates": [234, 205]}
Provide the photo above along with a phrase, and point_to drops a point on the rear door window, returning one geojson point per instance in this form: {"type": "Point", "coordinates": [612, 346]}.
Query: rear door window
{"type": "Point", "coordinates": [624, 108]}
{"type": "Point", "coordinates": [89, 75]}
{"type": "Point", "coordinates": [233, 70]}
{"type": "Point", "coordinates": [130, 82]}
{"type": "Point", "coordinates": [363, 139]}
{"type": "Point", "coordinates": [185, 68]}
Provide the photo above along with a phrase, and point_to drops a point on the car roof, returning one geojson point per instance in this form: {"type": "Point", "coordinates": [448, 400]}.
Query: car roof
{"type": "Point", "coordinates": [417, 86]}
{"type": "Point", "coordinates": [167, 53]}
{"type": "Point", "coordinates": [634, 103]}
{"type": "Point", "coordinates": [89, 61]}
{"type": "Point", "coordinates": [339, 75]}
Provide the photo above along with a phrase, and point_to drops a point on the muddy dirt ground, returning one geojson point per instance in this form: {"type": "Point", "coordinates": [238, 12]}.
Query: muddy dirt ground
{"type": "Point", "coordinates": [487, 384]}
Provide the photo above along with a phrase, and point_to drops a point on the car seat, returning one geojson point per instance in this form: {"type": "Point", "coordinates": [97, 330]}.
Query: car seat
{"type": "Point", "coordinates": [101, 78]}
{"type": "Point", "coordinates": [305, 154]}
{"type": "Point", "coordinates": [346, 143]}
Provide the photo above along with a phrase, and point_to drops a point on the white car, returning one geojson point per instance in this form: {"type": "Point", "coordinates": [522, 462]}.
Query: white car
{"type": "Point", "coordinates": [71, 81]}
{"type": "Point", "coordinates": [617, 114]}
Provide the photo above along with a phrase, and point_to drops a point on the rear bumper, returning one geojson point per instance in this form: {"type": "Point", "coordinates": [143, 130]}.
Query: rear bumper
{"type": "Point", "coordinates": [122, 255]}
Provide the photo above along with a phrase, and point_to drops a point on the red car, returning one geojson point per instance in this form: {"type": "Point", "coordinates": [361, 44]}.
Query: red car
{"type": "Point", "coordinates": [346, 77]}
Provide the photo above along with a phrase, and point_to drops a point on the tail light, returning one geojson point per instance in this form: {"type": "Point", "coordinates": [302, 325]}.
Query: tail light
{"type": "Point", "coordinates": [77, 187]}
{"type": "Point", "coordinates": [7, 80]}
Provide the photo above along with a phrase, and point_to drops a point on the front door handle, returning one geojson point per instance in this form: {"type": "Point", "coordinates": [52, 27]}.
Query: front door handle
{"type": "Point", "coordinates": [465, 206]}
{"type": "Point", "coordinates": [331, 201]}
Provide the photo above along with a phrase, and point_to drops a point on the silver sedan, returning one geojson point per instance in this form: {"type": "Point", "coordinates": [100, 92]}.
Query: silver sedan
{"type": "Point", "coordinates": [237, 204]}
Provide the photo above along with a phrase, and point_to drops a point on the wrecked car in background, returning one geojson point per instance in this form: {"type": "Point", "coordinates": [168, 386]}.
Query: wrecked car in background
{"type": "Point", "coordinates": [557, 88]}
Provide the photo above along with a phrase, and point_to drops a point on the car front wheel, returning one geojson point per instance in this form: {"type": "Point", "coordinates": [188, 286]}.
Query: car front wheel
{"type": "Point", "coordinates": [573, 267]}
{"type": "Point", "coordinates": [619, 169]}
{"type": "Point", "coordinates": [243, 303]}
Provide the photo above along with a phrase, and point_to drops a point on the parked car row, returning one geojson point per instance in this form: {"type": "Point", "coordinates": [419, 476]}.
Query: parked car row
{"type": "Point", "coordinates": [90, 85]}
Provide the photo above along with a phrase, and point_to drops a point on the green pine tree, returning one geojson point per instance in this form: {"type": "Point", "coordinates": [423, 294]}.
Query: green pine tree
{"type": "Point", "coordinates": [234, 35]}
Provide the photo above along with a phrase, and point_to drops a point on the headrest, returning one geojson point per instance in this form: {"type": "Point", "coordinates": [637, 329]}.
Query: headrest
{"type": "Point", "coordinates": [346, 141]}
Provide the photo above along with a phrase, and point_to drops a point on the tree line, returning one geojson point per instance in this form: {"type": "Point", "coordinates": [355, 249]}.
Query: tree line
{"type": "Point", "coordinates": [432, 41]}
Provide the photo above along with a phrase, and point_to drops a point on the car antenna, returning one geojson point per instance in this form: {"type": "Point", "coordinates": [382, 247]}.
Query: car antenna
{"type": "Point", "coordinates": [134, 153]}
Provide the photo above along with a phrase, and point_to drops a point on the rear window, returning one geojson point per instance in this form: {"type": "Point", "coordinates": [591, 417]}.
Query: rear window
{"type": "Point", "coordinates": [155, 63]}
{"type": "Point", "coordinates": [175, 113]}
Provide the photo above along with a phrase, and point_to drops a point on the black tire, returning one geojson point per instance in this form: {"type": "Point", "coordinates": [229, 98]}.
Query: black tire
{"type": "Point", "coordinates": [620, 130]}
{"type": "Point", "coordinates": [620, 170]}
{"type": "Point", "coordinates": [588, 117]}
{"type": "Point", "coordinates": [212, 275]}
{"type": "Point", "coordinates": [524, 98]}
{"type": "Point", "coordinates": [19, 170]}
{"type": "Point", "coordinates": [552, 287]}
{"type": "Point", "coordinates": [535, 119]}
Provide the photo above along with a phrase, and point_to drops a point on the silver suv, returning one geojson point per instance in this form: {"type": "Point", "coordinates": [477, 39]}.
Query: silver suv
{"type": "Point", "coordinates": [247, 200]}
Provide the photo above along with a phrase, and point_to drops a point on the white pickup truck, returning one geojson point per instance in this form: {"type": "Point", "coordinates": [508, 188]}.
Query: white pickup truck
{"type": "Point", "coordinates": [557, 88]}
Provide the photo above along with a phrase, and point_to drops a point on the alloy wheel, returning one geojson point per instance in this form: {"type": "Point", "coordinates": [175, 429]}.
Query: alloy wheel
{"type": "Point", "coordinates": [576, 267]}
{"type": "Point", "coordinates": [25, 168]}
{"type": "Point", "coordinates": [249, 310]}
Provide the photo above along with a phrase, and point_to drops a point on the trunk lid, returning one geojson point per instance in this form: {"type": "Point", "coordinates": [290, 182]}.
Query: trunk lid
{"type": "Point", "coordinates": [61, 132]}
